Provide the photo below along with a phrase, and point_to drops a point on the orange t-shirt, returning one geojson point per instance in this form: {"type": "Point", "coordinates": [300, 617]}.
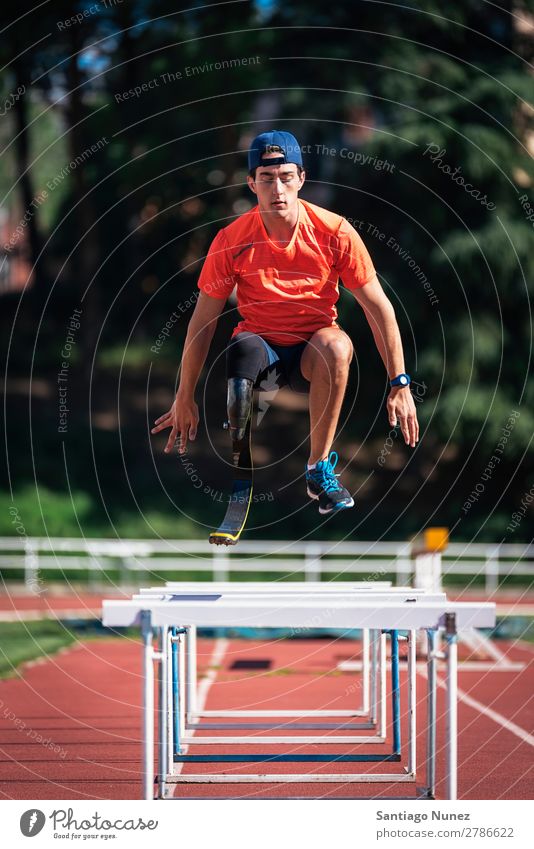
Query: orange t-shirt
{"type": "Point", "coordinates": [286, 293]}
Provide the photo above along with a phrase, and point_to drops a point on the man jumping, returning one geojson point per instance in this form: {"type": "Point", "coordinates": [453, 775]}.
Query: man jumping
{"type": "Point", "coordinates": [285, 256]}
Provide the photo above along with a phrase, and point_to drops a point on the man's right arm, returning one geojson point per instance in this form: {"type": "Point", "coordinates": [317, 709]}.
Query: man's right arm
{"type": "Point", "coordinates": [183, 416]}
{"type": "Point", "coordinates": [197, 342]}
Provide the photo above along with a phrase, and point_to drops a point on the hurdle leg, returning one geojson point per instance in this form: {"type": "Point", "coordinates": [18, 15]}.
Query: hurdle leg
{"type": "Point", "coordinates": [431, 678]}
{"type": "Point", "coordinates": [374, 679]}
{"type": "Point", "coordinates": [177, 735]}
{"type": "Point", "coordinates": [451, 638]}
{"type": "Point", "coordinates": [191, 683]}
{"type": "Point", "coordinates": [382, 714]}
{"type": "Point", "coordinates": [148, 706]}
{"type": "Point", "coordinates": [365, 670]}
{"type": "Point", "coordinates": [169, 705]}
{"type": "Point", "coordinates": [162, 711]}
{"type": "Point", "coordinates": [395, 692]}
{"type": "Point", "coordinates": [178, 680]}
{"type": "Point", "coordinates": [181, 683]}
{"type": "Point", "coordinates": [412, 703]}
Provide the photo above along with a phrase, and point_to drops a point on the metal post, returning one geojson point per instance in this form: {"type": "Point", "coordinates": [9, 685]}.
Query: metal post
{"type": "Point", "coordinates": [374, 674]}
{"type": "Point", "coordinates": [169, 706]}
{"type": "Point", "coordinates": [162, 712]}
{"type": "Point", "coordinates": [220, 563]}
{"type": "Point", "coordinates": [431, 716]}
{"type": "Point", "coordinates": [181, 682]}
{"type": "Point", "coordinates": [403, 566]}
{"type": "Point", "coordinates": [451, 638]}
{"type": "Point", "coordinates": [365, 670]}
{"type": "Point", "coordinates": [428, 571]}
{"type": "Point", "coordinates": [492, 569]}
{"type": "Point", "coordinates": [312, 562]}
{"type": "Point", "coordinates": [191, 654]}
{"type": "Point", "coordinates": [31, 567]}
{"type": "Point", "coordinates": [178, 687]}
{"type": "Point", "coordinates": [395, 692]}
{"type": "Point", "coordinates": [412, 702]}
{"type": "Point", "coordinates": [148, 706]}
{"type": "Point", "coordinates": [177, 744]}
{"type": "Point", "coordinates": [382, 711]}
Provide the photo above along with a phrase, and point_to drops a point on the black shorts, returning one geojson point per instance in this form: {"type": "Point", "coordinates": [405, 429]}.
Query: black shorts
{"type": "Point", "coordinates": [269, 366]}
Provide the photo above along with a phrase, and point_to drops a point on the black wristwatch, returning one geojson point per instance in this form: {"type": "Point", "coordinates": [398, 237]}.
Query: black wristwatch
{"type": "Point", "coordinates": [401, 380]}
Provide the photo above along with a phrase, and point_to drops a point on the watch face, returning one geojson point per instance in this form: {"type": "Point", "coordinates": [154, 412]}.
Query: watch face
{"type": "Point", "coordinates": [403, 380]}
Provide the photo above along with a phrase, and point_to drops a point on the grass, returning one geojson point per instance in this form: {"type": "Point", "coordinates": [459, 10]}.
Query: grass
{"type": "Point", "coordinates": [23, 641]}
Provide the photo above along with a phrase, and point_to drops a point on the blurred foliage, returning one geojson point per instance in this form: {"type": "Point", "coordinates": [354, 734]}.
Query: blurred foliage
{"type": "Point", "coordinates": [123, 233]}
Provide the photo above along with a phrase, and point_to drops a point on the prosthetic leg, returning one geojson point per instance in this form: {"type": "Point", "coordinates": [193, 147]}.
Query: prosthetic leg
{"type": "Point", "coordinates": [239, 405]}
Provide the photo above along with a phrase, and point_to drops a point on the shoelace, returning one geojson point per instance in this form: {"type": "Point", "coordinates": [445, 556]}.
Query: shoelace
{"type": "Point", "coordinates": [326, 477]}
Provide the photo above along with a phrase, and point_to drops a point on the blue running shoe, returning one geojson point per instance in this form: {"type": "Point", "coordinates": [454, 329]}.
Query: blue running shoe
{"type": "Point", "coordinates": [324, 486]}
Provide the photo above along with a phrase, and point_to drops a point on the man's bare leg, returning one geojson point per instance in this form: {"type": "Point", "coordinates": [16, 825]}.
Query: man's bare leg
{"type": "Point", "coordinates": [325, 363]}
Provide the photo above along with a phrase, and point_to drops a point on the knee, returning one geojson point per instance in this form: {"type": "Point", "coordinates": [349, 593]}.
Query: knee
{"type": "Point", "coordinates": [335, 352]}
{"type": "Point", "coordinates": [244, 347]}
{"type": "Point", "coordinates": [244, 344]}
{"type": "Point", "coordinates": [246, 356]}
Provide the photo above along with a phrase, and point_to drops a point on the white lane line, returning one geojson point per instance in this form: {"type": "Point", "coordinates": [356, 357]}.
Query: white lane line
{"type": "Point", "coordinates": [219, 650]}
{"type": "Point", "coordinates": [492, 714]}
{"type": "Point", "coordinates": [478, 642]}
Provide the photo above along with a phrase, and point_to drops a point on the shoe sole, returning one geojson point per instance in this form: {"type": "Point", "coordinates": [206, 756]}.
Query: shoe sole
{"type": "Point", "coordinates": [344, 505]}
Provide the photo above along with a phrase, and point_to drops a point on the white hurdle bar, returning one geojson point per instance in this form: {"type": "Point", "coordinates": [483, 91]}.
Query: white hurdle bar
{"type": "Point", "coordinates": [347, 613]}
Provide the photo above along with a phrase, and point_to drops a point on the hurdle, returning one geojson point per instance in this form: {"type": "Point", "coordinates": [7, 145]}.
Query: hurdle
{"type": "Point", "coordinates": [378, 737]}
{"type": "Point", "coordinates": [247, 587]}
{"type": "Point", "coordinates": [178, 740]}
{"type": "Point", "coordinates": [232, 611]}
{"type": "Point", "coordinates": [175, 741]}
{"type": "Point", "coordinates": [181, 741]}
{"type": "Point", "coordinates": [369, 669]}
{"type": "Point", "coordinates": [169, 757]}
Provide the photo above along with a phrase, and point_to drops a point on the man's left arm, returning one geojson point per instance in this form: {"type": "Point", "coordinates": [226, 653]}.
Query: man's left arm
{"type": "Point", "coordinates": [380, 314]}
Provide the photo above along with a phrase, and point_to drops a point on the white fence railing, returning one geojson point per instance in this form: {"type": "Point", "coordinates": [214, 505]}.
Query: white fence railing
{"type": "Point", "coordinates": [308, 560]}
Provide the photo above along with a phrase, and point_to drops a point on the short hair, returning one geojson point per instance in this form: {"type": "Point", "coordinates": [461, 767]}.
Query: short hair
{"type": "Point", "coordinates": [252, 172]}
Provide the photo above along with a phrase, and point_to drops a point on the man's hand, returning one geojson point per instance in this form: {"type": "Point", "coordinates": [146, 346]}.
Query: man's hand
{"type": "Point", "coordinates": [401, 408]}
{"type": "Point", "coordinates": [183, 419]}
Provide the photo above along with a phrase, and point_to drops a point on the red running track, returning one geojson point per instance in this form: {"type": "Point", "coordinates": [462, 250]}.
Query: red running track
{"type": "Point", "coordinates": [70, 725]}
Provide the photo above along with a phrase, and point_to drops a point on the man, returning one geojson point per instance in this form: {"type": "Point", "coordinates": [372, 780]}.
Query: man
{"type": "Point", "coordinates": [285, 256]}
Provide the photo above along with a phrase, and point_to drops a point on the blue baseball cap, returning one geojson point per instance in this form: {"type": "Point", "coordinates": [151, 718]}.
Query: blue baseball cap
{"type": "Point", "coordinates": [275, 141]}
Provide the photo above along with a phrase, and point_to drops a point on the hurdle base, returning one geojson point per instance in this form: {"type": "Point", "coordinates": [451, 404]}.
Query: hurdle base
{"type": "Point", "coordinates": [273, 726]}
{"type": "Point", "coordinates": [302, 759]}
{"type": "Point", "coordinates": [193, 716]}
{"type": "Point", "coordinates": [294, 778]}
{"type": "Point", "coordinates": [325, 740]}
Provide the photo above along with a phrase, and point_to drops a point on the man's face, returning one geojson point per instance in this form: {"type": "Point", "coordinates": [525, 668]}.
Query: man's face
{"type": "Point", "coordinates": [277, 188]}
